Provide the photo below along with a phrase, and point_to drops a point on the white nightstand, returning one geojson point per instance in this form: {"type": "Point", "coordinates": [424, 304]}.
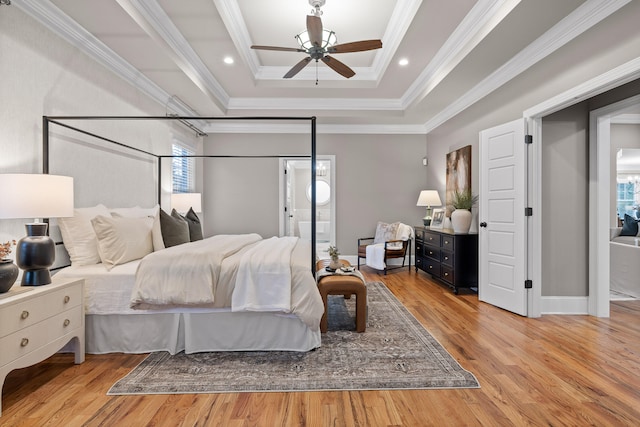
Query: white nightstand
{"type": "Point", "coordinates": [37, 321]}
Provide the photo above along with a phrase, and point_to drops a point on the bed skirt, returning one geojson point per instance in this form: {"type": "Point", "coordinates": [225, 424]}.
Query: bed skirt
{"type": "Point", "coordinates": [194, 332]}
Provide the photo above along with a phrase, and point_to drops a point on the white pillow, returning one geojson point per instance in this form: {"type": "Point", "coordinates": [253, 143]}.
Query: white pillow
{"type": "Point", "coordinates": [122, 239]}
{"type": "Point", "coordinates": [79, 237]}
{"type": "Point", "coordinates": [386, 232]}
{"type": "Point", "coordinates": [138, 212]}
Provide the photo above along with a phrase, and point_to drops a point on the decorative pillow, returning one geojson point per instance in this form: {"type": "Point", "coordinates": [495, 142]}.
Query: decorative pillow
{"type": "Point", "coordinates": [122, 239]}
{"type": "Point", "coordinates": [629, 226]}
{"type": "Point", "coordinates": [195, 228]}
{"type": "Point", "coordinates": [175, 230]}
{"type": "Point", "coordinates": [386, 232]}
{"type": "Point", "coordinates": [79, 237]}
{"type": "Point", "coordinates": [138, 212]}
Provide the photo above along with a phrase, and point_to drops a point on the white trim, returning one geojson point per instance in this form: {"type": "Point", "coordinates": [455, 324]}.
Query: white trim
{"type": "Point", "coordinates": [626, 119]}
{"type": "Point", "coordinates": [316, 104]}
{"type": "Point", "coordinates": [534, 195]}
{"type": "Point", "coordinates": [150, 16]}
{"type": "Point", "coordinates": [248, 127]}
{"type": "Point", "coordinates": [565, 305]}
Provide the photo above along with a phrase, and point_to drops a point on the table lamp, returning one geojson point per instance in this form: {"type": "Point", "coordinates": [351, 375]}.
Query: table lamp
{"type": "Point", "coordinates": [428, 198]}
{"type": "Point", "coordinates": [35, 196]}
{"type": "Point", "coordinates": [181, 202]}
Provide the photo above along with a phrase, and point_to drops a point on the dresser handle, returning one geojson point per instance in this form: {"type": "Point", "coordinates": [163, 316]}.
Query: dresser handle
{"type": "Point", "coordinates": [24, 342]}
{"type": "Point", "coordinates": [446, 274]}
{"type": "Point", "coordinates": [67, 298]}
{"type": "Point", "coordinates": [66, 322]}
{"type": "Point", "coordinates": [446, 258]}
{"type": "Point", "coordinates": [446, 242]}
{"type": "Point", "coordinates": [430, 267]}
{"type": "Point", "coordinates": [24, 314]}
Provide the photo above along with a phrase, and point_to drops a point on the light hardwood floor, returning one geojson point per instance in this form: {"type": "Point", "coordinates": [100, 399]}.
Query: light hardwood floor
{"type": "Point", "coordinates": [554, 371]}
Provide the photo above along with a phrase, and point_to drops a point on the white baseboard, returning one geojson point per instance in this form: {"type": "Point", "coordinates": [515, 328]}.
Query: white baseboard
{"type": "Point", "coordinates": [565, 305]}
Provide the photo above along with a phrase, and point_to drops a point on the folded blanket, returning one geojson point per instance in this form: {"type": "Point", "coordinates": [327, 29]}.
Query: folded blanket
{"type": "Point", "coordinates": [263, 282]}
{"type": "Point", "coordinates": [185, 275]}
{"type": "Point", "coordinates": [340, 272]}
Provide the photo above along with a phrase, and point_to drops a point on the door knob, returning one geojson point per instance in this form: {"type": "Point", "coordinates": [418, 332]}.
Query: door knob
{"type": "Point", "coordinates": [483, 224]}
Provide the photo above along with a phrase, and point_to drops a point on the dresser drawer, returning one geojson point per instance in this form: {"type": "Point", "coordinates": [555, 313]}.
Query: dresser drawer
{"type": "Point", "coordinates": [431, 252]}
{"type": "Point", "coordinates": [34, 337]}
{"type": "Point", "coordinates": [42, 306]}
{"type": "Point", "coordinates": [448, 243]}
{"type": "Point", "coordinates": [432, 239]}
{"type": "Point", "coordinates": [419, 234]}
{"type": "Point", "coordinates": [446, 258]}
{"type": "Point", "coordinates": [419, 248]}
{"type": "Point", "coordinates": [446, 274]}
{"type": "Point", "coordinates": [432, 267]}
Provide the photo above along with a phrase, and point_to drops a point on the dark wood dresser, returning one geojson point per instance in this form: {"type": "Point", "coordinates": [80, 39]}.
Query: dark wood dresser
{"type": "Point", "coordinates": [449, 257]}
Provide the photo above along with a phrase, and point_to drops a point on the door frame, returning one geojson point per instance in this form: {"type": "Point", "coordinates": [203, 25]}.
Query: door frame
{"type": "Point", "coordinates": [331, 158]}
{"type": "Point", "coordinates": [609, 80]}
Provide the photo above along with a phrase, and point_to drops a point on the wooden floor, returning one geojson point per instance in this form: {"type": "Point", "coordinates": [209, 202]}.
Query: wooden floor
{"type": "Point", "coordinates": [554, 371]}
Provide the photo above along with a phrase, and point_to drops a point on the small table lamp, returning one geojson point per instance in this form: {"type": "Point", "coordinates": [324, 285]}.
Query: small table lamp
{"type": "Point", "coordinates": [428, 198]}
{"type": "Point", "coordinates": [35, 196]}
{"type": "Point", "coordinates": [181, 202]}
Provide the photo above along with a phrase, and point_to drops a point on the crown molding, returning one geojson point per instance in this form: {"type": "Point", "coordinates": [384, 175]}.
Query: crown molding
{"type": "Point", "coordinates": [626, 119]}
{"type": "Point", "coordinates": [59, 23]}
{"type": "Point", "coordinates": [154, 21]}
{"type": "Point", "coordinates": [315, 104]}
{"type": "Point", "coordinates": [479, 22]}
{"type": "Point", "coordinates": [580, 20]}
{"type": "Point", "coordinates": [285, 128]}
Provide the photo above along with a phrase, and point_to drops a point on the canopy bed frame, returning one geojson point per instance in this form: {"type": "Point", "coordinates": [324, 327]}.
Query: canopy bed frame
{"type": "Point", "coordinates": [189, 329]}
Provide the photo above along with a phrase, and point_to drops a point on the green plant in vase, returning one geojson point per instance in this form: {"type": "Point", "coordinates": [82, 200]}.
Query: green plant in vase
{"type": "Point", "coordinates": [461, 217]}
{"type": "Point", "coordinates": [335, 260]}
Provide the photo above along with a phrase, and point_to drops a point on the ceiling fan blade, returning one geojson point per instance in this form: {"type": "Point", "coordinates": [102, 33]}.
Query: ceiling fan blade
{"type": "Point", "coordinates": [355, 46]}
{"type": "Point", "coordinates": [296, 68]}
{"type": "Point", "coordinates": [338, 66]}
{"type": "Point", "coordinates": [283, 49]}
{"type": "Point", "coordinates": [314, 28]}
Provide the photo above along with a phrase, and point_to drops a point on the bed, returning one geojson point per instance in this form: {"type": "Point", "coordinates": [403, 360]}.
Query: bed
{"type": "Point", "coordinates": [166, 301]}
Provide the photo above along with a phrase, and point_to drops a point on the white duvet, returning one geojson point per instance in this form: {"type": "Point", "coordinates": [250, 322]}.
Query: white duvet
{"type": "Point", "coordinates": [243, 272]}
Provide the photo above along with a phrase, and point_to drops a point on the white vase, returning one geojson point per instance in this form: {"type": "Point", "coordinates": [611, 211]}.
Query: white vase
{"type": "Point", "coordinates": [461, 220]}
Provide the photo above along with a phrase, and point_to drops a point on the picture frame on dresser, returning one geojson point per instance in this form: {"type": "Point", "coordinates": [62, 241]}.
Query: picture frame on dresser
{"type": "Point", "coordinates": [437, 222]}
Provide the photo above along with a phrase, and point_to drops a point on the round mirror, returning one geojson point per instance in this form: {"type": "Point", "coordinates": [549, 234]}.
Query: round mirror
{"type": "Point", "coordinates": [323, 192]}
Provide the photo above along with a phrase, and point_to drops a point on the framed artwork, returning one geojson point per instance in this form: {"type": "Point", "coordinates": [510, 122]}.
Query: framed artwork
{"type": "Point", "coordinates": [437, 221]}
{"type": "Point", "coordinates": [458, 174]}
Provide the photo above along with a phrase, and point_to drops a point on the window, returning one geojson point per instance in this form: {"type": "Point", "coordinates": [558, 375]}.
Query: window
{"type": "Point", "coordinates": [182, 169]}
{"type": "Point", "coordinates": [626, 198]}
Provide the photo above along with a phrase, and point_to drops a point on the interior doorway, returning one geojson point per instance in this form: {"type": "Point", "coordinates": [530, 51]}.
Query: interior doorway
{"type": "Point", "coordinates": [295, 195]}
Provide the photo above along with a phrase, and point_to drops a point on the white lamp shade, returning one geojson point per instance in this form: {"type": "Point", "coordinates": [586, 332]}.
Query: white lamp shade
{"type": "Point", "coordinates": [429, 198]}
{"type": "Point", "coordinates": [35, 196]}
{"type": "Point", "coordinates": [181, 202]}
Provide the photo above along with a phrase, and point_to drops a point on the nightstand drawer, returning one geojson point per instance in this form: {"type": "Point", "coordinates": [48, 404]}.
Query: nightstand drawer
{"type": "Point", "coordinates": [34, 337]}
{"type": "Point", "coordinates": [33, 310]}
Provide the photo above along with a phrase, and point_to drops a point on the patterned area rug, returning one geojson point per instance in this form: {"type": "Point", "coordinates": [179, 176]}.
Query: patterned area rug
{"type": "Point", "coordinates": [395, 352]}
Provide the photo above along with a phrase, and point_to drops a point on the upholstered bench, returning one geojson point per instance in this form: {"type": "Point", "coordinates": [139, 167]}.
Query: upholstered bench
{"type": "Point", "coordinates": [346, 285]}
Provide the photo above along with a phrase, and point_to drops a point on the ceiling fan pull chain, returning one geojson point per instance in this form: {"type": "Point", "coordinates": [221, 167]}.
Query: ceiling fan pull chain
{"type": "Point", "coordinates": [316, 72]}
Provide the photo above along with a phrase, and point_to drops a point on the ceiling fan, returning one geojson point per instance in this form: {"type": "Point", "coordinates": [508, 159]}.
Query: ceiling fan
{"type": "Point", "coordinates": [318, 42]}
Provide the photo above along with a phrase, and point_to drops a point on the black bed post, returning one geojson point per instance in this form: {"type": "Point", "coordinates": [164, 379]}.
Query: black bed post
{"type": "Point", "coordinates": [45, 144]}
{"type": "Point", "coordinates": [313, 195]}
{"type": "Point", "coordinates": [159, 180]}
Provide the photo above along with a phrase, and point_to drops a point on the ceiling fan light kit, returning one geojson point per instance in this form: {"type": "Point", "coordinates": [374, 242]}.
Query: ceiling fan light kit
{"type": "Point", "coordinates": [317, 42]}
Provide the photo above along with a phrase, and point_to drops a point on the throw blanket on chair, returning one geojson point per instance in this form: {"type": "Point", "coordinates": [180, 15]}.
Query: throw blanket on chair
{"type": "Point", "coordinates": [375, 252]}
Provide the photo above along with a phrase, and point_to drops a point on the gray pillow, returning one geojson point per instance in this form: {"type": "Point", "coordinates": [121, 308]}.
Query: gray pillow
{"type": "Point", "coordinates": [629, 226]}
{"type": "Point", "coordinates": [195, 228]}
{"type": "Point", "coordinates": [175, 230]}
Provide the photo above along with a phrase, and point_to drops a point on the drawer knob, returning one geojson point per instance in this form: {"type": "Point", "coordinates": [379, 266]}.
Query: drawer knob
{"type": "Point", "coordinates": [66, 322]}
{"type": "Point", "coordinates": [430, 267]}
{"type": "Point", "coordinates": [24, 314]}
{"type": "Point", "coordinates": [446, 242]}
{"type": "Point", "coordinates": [24, 342]}
{"type": "Point", "coordinates": [446, 258]}
{"type": "Point", "coordinates": [67, 298]}
{"type": "Point", "coordinates": [446, 274]}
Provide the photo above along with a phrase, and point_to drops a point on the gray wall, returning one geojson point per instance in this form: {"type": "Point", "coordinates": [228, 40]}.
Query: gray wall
{"type": "Point", "coordinates": [44, 75]}
{"type": "Point", "coordinates": [378, 178]}
{"type": "Point", "coordinates": [611, 43]}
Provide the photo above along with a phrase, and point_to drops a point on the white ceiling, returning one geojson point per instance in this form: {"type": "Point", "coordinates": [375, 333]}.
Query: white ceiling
{"type": "Point", "coordinates": [457, 50]}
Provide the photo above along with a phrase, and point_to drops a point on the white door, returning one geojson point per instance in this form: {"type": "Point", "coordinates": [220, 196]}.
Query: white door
{"type": "Point", "coordinates": [501, 215]}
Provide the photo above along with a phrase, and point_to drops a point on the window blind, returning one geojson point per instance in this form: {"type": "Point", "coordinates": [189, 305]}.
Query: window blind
{"type": "Point", "coordinates": [182, 169]}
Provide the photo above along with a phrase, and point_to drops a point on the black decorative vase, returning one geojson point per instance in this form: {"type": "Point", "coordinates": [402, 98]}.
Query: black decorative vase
{"type": "Point", "coordinates": [35, 253]}
{"type": "Point", "coordinates": [8, 274]}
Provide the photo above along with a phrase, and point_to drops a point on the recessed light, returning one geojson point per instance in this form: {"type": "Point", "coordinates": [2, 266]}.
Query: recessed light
{"type": "Point", "coordinates": [403, 62]}
{"type": "Point", "coordinates": [228, 60]}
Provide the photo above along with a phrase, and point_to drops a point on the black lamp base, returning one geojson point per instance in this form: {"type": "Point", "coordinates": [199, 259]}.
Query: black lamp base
{"type": "Point", "coordinates": [426, 222]}
{"type": "Point", "coordinates": [35, 253]}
